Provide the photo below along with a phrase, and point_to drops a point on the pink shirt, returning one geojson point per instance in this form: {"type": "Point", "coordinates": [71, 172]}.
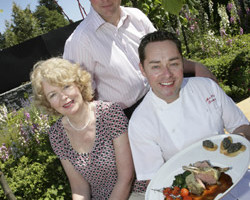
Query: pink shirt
{"type": "Point", "coordinates": [110, 54]}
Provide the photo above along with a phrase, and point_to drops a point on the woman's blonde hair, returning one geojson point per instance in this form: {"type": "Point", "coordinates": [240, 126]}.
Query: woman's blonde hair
{"type": "Point", "coordinates": [58, 72]}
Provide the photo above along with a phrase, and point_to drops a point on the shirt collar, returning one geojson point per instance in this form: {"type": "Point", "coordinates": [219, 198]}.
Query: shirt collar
{"type": "Point", "coordinates": [98, 21]}
{"type": "Point", "coordinates": [161, 104]}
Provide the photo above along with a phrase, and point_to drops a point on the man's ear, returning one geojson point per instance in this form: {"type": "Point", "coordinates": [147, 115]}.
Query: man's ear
{"type": "Point", "coordinates": [142, 69]}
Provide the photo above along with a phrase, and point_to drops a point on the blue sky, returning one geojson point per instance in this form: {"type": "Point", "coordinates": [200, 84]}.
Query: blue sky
{"type": "Point", "coordinates": [70, 8]}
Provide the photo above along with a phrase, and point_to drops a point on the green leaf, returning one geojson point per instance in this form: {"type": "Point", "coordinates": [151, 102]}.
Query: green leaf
{"type": "Point", "coordinates": [172, 6]}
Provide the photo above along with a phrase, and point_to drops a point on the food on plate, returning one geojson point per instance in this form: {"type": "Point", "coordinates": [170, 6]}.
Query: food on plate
{"type": "Point", "coordinates": [209, 145]}
{"type": "Point", "coordinates": [176, 193]}
{"type": "Point", "coordinates": [179, 180]}
{"type": "Point", "coordinates": [228, 148]}
{"type": "Point", "coordinates": [225, 143]}
{"type": "Point", "coordinates": [202, 174]}
{"type": "Point", "coordinates": [199, 181]}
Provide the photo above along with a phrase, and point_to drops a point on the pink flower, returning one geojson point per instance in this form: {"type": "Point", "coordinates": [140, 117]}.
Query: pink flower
{"type": "Point", "coordinates": [192, 27]}
{"type": "Point", "coordinates": [223, 32]}
{"type": "Point", "coordinates": [241, 31]}
{"type": "Point", "coordinates": [229, 7]}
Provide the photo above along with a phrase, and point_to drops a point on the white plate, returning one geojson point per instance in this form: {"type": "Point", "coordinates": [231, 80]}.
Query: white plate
{"type": "Point", "coordinates": [165, 176]}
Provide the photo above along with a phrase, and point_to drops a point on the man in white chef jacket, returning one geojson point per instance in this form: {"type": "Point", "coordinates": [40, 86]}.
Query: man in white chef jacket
{"type": "Point", "coordinates": [177, 111]}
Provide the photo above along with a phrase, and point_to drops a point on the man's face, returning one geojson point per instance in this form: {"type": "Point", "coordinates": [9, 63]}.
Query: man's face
{"type": "Point", "coordinates": [163, 67]}
{"type": "Point", "coordinates": [106, 8]}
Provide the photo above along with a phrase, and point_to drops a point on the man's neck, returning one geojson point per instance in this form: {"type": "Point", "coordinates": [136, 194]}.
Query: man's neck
{"type": "Point", "coordinates": [114, 19]}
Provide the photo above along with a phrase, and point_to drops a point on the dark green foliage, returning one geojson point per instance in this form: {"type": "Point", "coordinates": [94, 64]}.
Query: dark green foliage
{"type": "Point", "coordinates": [24, 26]}
{"type": "Point", "coordinates": [198, 28]}
{"type": "Point", "coordinates": [49, 19]}
{"type": "Point", "coordinates": [51, 5]}
{"type": "Point", "coordinates": [233, 69]}
{"type": "Point", "coordinates": [31, 179]}
{"type": "Point", "coordinates": [31, 168]}
{"type": "Point", "coordinates": [155, 12]}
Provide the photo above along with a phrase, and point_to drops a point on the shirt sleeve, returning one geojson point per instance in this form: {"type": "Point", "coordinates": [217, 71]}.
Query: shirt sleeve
{"type": "Point", "coordinates": [77, 49]}
{"type": "Point", "coordinates": [149, 27]}
{"type": "Point", "coordinates": [232, 116]}
{"type": "Point", "coordinates": [140, 17]}
{"type": "Point", "coordinates": [146, 152]}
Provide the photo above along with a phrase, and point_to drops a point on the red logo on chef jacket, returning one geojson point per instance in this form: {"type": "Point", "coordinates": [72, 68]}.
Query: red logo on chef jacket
{"type": "Point", "coordinates": [211, 99]}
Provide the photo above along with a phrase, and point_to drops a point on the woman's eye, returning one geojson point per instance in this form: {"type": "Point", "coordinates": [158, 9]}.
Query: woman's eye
{"type": "Point", "coordinates": [66, 86]}
{"type": "Point", "coordinates": [52, 95]}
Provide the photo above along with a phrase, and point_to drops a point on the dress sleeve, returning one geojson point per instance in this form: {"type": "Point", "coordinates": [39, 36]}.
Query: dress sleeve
{"type": "Point", "coordinates": [117, 121]}
{"type": "Point", "coordinates": [58, 140]}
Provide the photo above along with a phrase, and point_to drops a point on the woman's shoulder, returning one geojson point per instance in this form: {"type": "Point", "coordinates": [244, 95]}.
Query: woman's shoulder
{"type": "Point", "coordinates": [106, 106]}
{"type": "Point", "coordinates": [56, 130]}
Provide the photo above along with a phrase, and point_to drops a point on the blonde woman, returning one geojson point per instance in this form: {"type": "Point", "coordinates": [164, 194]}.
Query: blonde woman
{"type": "Point", "coordinates": [90, 138]}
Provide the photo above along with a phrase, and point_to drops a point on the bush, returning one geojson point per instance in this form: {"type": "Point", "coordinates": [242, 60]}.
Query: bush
{"type": "Point", "coordinates": [30, 166]}
{"type": "Point", "coordinates": [232, 68]}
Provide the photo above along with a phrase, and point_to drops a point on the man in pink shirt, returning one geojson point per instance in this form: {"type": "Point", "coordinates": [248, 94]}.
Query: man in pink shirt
{"type": "Point", "coordinates": [106, 44]}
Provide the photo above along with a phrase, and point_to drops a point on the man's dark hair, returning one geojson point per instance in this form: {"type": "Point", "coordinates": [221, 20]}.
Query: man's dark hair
{"type": "Point", "coordinates": [157, 36]}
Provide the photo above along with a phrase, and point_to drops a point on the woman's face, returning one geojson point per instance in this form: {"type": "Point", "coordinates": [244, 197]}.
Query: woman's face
{"type": "Point", "coordinates": [66, 100]}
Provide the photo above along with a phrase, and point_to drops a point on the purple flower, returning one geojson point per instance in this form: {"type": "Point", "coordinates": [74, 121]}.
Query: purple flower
{"type": "Point", "coordinates": [248, 10]}
{"type": "Point", "coordinates": [27, 115]}
{"type": "Point", "coordinates": [4, 152]}
{"type": "Point", "coordinates": [241, 31]}
{"type": "Point", "coordinates": [232, 20]}
{"type": "Point", "coordinates": [229, 42]}
{"type": "Point", "coordinates": [187, 17]}
{"type": "Point", "coordinates": [229, 7]}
